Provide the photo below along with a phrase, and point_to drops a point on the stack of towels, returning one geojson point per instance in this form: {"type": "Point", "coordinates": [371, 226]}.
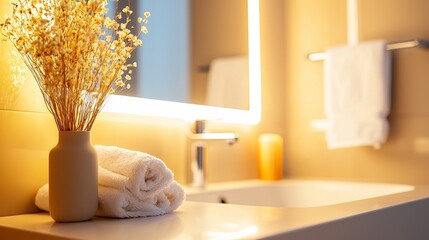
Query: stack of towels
{"type": "Point", "coordinates": [130, 184]}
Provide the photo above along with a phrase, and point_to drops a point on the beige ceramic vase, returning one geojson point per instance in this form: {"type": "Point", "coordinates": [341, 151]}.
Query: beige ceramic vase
{"type": "Point", "coordinates": [73, 186]}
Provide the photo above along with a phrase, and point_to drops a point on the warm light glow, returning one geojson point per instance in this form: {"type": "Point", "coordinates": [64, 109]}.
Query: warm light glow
{"type": "Point", "coordinates": [352, 22]}
{"type": "Point", "coordinates": [191, 112]}
{"type": "Point", "coordinates": [213, 136]}
{"type": "Point", "coordinates": [254, 61]}
{"type": "Point", "coordinates": [242, 233]}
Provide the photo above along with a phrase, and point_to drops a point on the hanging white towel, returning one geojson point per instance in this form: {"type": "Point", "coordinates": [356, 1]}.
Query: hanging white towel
{"type": "Point", "coordinates": [357, 88]}
{"type": "Point", "coordinates": [228, 83]}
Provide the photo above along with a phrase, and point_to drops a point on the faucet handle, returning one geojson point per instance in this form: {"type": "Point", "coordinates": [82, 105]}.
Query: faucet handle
{"type": "Point", "coordinates": [214, 136]}
{"type": "Point", "coordinates": [200, 126]}
{"type": "Point", "coordinates": [200, 134]}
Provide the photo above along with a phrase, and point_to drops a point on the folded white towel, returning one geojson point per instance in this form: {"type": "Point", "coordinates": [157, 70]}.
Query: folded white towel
{"type": "Point", "coordinates": [122, 204]}
{"type": "Point", "coordinates": [113, 202]}
{"type": "Point", "coordinates": [358, 80]}
{"type": "Point", "coordinates": [42, 198]}
{"type": "Point", "coordinates": [140, 173]}
{"type": "Point", "coordinates": [130, 184]}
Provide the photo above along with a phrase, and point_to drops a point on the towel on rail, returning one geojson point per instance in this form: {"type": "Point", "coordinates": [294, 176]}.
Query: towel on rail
{"type": "Point", "coordinates": [357, 88]}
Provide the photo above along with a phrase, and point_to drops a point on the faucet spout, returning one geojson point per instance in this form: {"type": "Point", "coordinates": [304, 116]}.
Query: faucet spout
{"type": "Point", "coordinates": [198, 165]}
{"type": "Point", "coordinates": [231, 138]}
{"type": "Point", "coordinates": [199, 150]}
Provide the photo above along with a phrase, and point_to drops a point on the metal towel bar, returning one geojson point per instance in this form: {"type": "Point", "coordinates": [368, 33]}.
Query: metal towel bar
{"type": "Point", "coordinates": [319, 56]}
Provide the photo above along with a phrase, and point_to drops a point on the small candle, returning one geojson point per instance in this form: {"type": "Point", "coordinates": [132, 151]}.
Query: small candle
{"type": "Point", "coordinates": [270, 157]}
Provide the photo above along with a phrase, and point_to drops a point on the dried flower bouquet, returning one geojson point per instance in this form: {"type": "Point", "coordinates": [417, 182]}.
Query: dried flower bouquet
{"type": "Point", "coordinates": [77, 54]}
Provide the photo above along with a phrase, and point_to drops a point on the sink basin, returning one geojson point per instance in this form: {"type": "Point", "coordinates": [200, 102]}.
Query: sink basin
{"type": "Point", "coordinates": [293, 193]}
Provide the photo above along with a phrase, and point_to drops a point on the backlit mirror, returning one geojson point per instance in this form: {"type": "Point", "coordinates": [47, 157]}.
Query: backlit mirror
{"type": "Point", "coordinates": [196, 52]}
{"type": "Point", "coordinates": [184, 64]}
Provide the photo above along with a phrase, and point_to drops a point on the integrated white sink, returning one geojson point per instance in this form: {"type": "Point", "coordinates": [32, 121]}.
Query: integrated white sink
{"type": "Point", "coordinates": [304, 210]}
{"type": "Point", "coordinates": [293, 193]}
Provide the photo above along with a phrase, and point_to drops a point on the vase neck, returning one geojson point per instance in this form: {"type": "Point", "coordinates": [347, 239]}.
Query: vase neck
{"type": "Point", "coordinates": [83, 137]}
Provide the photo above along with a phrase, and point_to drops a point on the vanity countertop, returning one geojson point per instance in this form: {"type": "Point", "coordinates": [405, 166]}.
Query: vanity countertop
{"type": "Point", "coordinates": [195, 220]}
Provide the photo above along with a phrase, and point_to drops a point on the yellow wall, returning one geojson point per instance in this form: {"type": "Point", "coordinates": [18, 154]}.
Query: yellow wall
{"type": "Point", "coordinates": [26, 137]}
{"type": "Point", "coordinates": [311, 26]}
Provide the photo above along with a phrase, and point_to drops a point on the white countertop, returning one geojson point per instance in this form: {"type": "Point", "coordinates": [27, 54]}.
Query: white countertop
{"type": "Point", "coordinates": [195, 220]}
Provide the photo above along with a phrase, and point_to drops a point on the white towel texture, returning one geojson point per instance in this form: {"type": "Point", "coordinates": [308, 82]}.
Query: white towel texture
{"type": "Point", "coordinates": [138, 172]}
{"type": "Point", "coordinates": [131, 184]}
{"type": "Point", "coordinates": [113, 202]}
{"type": "Point", "coordinates": [357, 88]}
{"type": "Point", "coordinates": [228, 83]}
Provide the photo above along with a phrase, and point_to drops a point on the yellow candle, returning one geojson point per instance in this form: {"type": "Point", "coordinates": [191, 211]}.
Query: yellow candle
{"type": "Point", "coordinates": [270, 157]}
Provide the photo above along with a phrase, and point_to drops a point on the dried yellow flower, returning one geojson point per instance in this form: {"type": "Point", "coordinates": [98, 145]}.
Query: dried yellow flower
{"type": "Point", "coordinates": [76, 53]}
{"type": "Point", "coordinates": [120, 83]}
{"type": "Point", "coordinates": [144, 30]}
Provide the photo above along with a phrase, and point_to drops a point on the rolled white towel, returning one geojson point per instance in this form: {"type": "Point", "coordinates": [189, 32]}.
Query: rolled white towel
{"type": "Point", "coordinates": [114, 203]}
{"type": "Point", "coordinates": [42, 198]}
{"type": "Point", "coordinates": [122, 204]}
{"type": "Point", "coordinates": [140, 173]}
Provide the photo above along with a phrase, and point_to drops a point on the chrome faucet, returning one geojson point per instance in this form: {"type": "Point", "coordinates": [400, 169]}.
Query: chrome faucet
{"type": "Point", "coordinates": [199, 136]}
